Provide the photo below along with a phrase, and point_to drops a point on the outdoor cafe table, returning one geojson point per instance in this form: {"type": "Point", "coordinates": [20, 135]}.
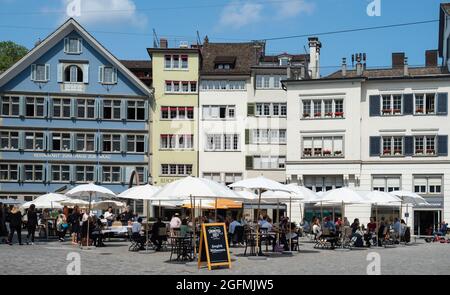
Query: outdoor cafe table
{"type": "Point", "coordinates": [264, 235]}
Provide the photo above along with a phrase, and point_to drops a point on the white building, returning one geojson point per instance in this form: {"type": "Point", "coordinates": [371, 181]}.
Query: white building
{"type": "Point", "coordinates": [374, 129]}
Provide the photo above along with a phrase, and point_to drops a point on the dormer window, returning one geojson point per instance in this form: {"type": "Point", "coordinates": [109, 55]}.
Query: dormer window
{"type": "Point", "coordinates": [225, 62]}
{"type": "Point", "coordinates": [224, 66]}
{"type": "Point", "coordinates": [73, 74]}
{"type": "Point", "coordinates": [284, 61]}
{"type": "Point", "coordinates": [40, 73]}
{"type": "Point", "coordinates": [107, 75]}
{"type": "Point", "coordinates": [73, 45]}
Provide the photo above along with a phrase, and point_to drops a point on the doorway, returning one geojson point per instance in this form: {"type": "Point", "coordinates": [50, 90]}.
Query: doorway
{"type": "Point", "coordinates": [426, 222]}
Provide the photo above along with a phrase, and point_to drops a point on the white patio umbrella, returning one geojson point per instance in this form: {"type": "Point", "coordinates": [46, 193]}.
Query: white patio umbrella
{"type": "Point", "coordinates": [104, 205]}
{"type": "Point", "coordinates": [191, 188]}
{"type": "Point", "coordinates": [260, 183]}
{"type": "Point", "coordinates": [75, 202]}
{"type": "Point", "coordinates": [47, 201]}
{"type": "Point", "coordinates": [380, 198]}
{"type": "Point", "coordinates": [142, 192]}
{"type": "Point", "coordinates": [409, 198]}
{"type": "Point", "coordinates": [90, 190]}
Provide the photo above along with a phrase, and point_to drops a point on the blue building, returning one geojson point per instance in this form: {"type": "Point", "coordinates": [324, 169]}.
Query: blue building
{"type": "Point", "coordinates": [71, 113]}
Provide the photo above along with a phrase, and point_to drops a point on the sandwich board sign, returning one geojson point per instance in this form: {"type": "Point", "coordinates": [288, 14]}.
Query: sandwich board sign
{"type": "Point", "coordinates": [214, 249]}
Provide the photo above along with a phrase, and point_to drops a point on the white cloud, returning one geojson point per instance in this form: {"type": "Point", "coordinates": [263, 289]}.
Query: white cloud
{"type": "Point", "coordinates": [293, 8]}
{"type": "Point", "coordinates": [238, 14]}
{"type": "Point", "coordinates": [113, 12]}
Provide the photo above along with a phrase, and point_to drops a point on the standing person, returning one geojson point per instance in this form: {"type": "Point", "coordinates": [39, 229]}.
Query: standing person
{"type": "Point", "coordinates": [3, 230]}
{"type": "Point", "coordinates": [381, 230]}
{"type": "Point", "coordinates": [74, 221]}
{"type": "Point", "coordinates": [66, 212]}
{"type": "Point", "coordinates": [31, 223]}
{"type": "Point", "coordinates": [127, 215]}
{"type": "Point", "coordinates": [61, 226]}
{"type": "Point", "coordinates": [175, 222]}
{"type": "Point", "coordinates": [15, 224]}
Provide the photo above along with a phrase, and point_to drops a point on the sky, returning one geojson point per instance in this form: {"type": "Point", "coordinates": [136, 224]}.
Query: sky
{"type": "Point", "coordinates": [126, 27]}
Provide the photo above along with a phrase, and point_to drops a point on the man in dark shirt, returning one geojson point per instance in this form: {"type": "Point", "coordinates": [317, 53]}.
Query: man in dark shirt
{"type": "Point", "coordinates": [32, 222]}
{"type": "Point", "coordinates": [157, 238]}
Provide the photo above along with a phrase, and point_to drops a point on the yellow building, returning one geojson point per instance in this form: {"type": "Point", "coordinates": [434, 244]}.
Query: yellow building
{"type": "Point", "coordinates": [174, 131]}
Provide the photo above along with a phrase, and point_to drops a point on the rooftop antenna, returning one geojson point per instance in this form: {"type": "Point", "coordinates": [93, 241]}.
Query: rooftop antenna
{"type": "Point", "coordinates": [199, 40]}
{"type": "Point", "coordinates": [155, 39]}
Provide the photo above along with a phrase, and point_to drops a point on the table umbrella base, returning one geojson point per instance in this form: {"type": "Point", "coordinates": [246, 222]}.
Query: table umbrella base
{"type": "Point", "coordinates": [87, 248]}
{"type": "Point", "coordinates": [257, 258]}
{"type": "Point", "coordinates": [288, 253]}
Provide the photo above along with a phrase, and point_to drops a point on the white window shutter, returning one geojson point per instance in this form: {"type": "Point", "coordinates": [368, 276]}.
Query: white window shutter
{"type": "Point", "coordinates": [33, 72]}
{"type": "Point", "coordinates": [100, 74]}
{"type": "Point", "coordinates": [47, 72]}
{"type": "Point", "coordinates": [85, 73]}
{"type": "Point", "coordinates": [60, 73]}
{"type": "Point", "coordinates": [114, 80]}
{"type": "Point", "coordinates": [80, 45]}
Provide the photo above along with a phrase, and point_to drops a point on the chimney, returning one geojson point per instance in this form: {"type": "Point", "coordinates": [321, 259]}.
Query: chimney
{"type": "Point", "coordinates": [163, 43]}
{"type": "Point", "coordinates": [344, 67]}
{"type": "Point", "coordinates": [359, 65]}
{"type": "Point", "coordinates": [289, 72]}
{"type": "Point", "coordinates": [398, 60]}
{"type": "Point", "coordinates": [314, 57]}
{"type": "Point", "coordinates": [405, 67]}
{"type": "Point", "coordinates": [431, 58]}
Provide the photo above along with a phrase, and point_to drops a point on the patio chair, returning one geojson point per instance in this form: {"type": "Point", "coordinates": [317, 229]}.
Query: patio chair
{"type": "Point", "coordinates": [347, 238]}
{"type": "Point", "coordinates": [250, 242]}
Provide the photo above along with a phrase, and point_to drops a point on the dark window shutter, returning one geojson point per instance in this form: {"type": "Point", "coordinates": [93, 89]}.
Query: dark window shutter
{"type": "Point", "coordinates": [247, 136]}
{"type": "Point", "coordinates": [442, 104]}
{"type": "Point", "coordinates": [409, 145]}
{"type": "Point", "coordinates": [249, 162]}
{"type": "Point", "coordinates": [374, 101]}
{"type": "Point", "coordinates": [250, 109]}
{"type": "Point", "coordinates": [375, 146]}
{"type": "Point", "coordinates": [408, 104]}
{"type": "Point", "coordinates": [443, 145]}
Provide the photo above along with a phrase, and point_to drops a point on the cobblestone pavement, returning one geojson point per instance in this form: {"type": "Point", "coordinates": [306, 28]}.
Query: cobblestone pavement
{"type": "Point", "coordinates": [115, 259]}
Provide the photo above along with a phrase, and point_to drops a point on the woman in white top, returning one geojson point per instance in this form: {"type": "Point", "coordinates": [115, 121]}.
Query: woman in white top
{"type": "Point", "coordinates": [316, 229]}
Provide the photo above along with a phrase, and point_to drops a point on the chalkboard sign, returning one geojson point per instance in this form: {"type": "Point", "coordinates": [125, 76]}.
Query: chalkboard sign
{"type": "Point", "coordinates": [214, 249]}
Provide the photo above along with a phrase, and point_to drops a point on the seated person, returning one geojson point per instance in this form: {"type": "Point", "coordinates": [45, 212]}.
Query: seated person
{"type": "Point", "coordinates": [136, 229]}
{"type": "Point", "coordinates": [231, 230]}
{"type": "Point", "coordinates": [97, 235]}
{"type": "Point", "coordinates": [442, 230]}
{"type": "Point", "coordinates": [355, 225]}
{"type": "Point", "coordinates": [184, 228]}
{"type": "Point", "coordinates": [265, 224]}
{"type": "Point", "coordinates": [157, 239]}
{"type": "Point", "coordinates": [117, 223]}
{"type": "Point", "coordinates": [328, 224]}
{"type": "Point", "coordinates": [381, 231]}
{"type": "Point", "coordinates": [316, 229]}
{"type": "Point", "coordinates": [358, 236]}
{"type": "Point", "coordinates": [289, 236]}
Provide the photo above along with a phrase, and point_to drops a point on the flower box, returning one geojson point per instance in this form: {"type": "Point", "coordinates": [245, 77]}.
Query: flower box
{"type": "Point", "coordinates": [386, 112]}
{"type": "Point", "coordinates": [339, 114]}
{"type": "Point", "coordinates": [326, 152]}
{"type": "Point", "coordinates": [306, 115]}
{"type": "Point", "coordinates": [317, 114]}
{"type": "Point", "coordinates": [431, 151]}
{"type": "Point", "coordinates": [419, 151]}
{"type": "Point", "coordinates": [329, 114]}
{"type": "Point", "coordinates": [386, 152]}
{"type": "Point", "coordinates": [397, 111]}
{"type": "Point", "coordinates": [419, 111]}
{"type": "Point", "coordinates": [338, 153]}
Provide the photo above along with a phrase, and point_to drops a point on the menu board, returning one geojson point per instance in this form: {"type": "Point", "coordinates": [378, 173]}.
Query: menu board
{"type": "Point", "coordinates": [214, 249]}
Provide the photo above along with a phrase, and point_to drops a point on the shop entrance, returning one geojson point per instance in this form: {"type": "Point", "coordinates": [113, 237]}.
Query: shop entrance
{"type": "Point", "coordinates": [426, 222]}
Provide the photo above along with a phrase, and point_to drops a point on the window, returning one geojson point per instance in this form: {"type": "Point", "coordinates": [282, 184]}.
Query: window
{"type": "Point", "coordinates": [111, 174]}
{"type": "Point", "coordinates": [111, 109]}
{"type": "Point", "coordinates": [327, 146]}
{"type": "Point", "coordinates": [176, 169]}
{"type": "Point", "coordinates": [222, 142]}
{"type": "Point", "coordinates": [9, 172]}
{"type": "Point", "coordinates": [328, 108]}
{"type": "Point", "coordinates": [84, 174]}
{"type": "Point", "coordinates": [232, 178]}
{"type": "Point", "coordinates": [271, 109]}
{"type": "Point", "coordinates": [176, 62]}
{"type": "Point", "coordinates": [136, 110]}
{"type": "Point", "coordinates": [10, 106]}
{"type": "Point", "coordinates": [181, 141]}
{"type": "Point", "coordinates": [306, 108]}
{"type": "Point", "coordinates": [85, 142]}
{"type": "Point", "coordinates": [61, 108]}
{"type": "Point", "coordinates": [9, 140]}
{"type": "Point", "coordinates": [425, 103]}
{"type": "Point", "coordinates": [73, 74]}
{"type": "Point", "coordinates": [61, 142]}
{"type": "Point", "coordinates": [219, 112]}
{"type": "Point", "coordinates": [184, 61]}
{"type": "Point", "coordinates": [269, 162]}
{"type": "Point", "coordinates": [34, 173]}
{"type": "Point", "coordinates": [135, 143]}
{"type": "Point", "coordinates": [386, 183]}
{"type": "Point", "coordinates": [40, 73]}
{"type": "Point", "coordinates": [269, 136]}
{"type": "Point", "coordinates": [107, 75]}
{"type": "Point", "coordinates": [86, 108]}
{"type": "Point", "coordinates": [214, 176]}
{"type": "Point", "coordinates": [111, 143]}
{"type": "Point", "coordinates": [177, 113]}
{"type": "Point", "coordinates": [181, 87]}
{"type": "Point", "coordinates": [269, 81]}
{"type": "Point", "coordinates": [73, 45]}
{"type": "Point", "coordinates": [323, 183]}
{"type": "Point", "coordinates": [34, 141]}
{"type": "Point", "coordinates": [391, 104]}
{"type": "Point", "coordinates": [317, 104]}
{"type": "Point", "coordinates": [223, 85]}
{"type": "Point", "coordinates": [392, 146]}
{"type": "Point", "coordinates": [60, 173]}
{"type": "Point", "coordinates": [425, 145]}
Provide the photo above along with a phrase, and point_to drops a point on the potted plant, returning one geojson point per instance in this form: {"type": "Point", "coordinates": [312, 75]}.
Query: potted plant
{"type": "Point", "coordinates": [419, 151]}
{"type": "Point", "coordinates": [339, 114]}
{"type": "Point", "coordinates": [386, 112]}
{"type": "Point", "coordinates": [307, 152]}
{"type": "Point", "coordinates": [329, 114]}
{"type": "Point", "coordinates": [419, 111]}
{"type": "Point", "coordinates": [386, 152]}
{"type": "Point", "coordinates": [317, 152]}
{"type": "Point", "coordinates": [397, 151]}
{"type": "Point", "coordinates": [318, 114]}
{"type": "Point", "coordinates": [326, 152]}
{"type": "Point", "coordinates": [397, 111]}
{"type": "Point", "coordinates": [338, 153]}
{"type": "Point", "coordinates": [305, 115]}
{"type": "Point", "coordinates": [430, 151]}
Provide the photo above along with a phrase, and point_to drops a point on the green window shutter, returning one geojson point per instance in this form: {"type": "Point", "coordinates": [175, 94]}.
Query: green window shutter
{"type": "Point", "coordinates": [247, 136]}
{"type": "Point", "coordinates": [250, 109]}
{"type": "Point", "coordinates": [249, 162]}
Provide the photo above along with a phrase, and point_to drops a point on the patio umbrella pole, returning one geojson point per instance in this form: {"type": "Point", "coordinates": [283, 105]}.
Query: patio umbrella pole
{"type": "Point", "coordinates": [159, 209]}
{"type": "Point", "coordinates": [216, 210]}
{"type": "Point", "coordinates": [88, 214]}
{"type": "Point", "coordinates": [278, 222]}
{"type": "Point", "coordinates": [193, 225]}
{"type": "Point", "coordinates": [290, 222]}
{"type": "Point", "coordinates": [257, 222]}
{"type": "Point", "coordinates": [321, 213]}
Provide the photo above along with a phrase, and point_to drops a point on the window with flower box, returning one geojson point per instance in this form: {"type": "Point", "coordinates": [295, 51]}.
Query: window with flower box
{"type": "Point", "coordinates": [425, 103]}
{"type": "Point", "coordinates": [322, 108]}
{"type": "Point", "coordinates": [425, 145]}
{"type": "Point", "coordinates": [323, 146]}
{"type": "Point", "coordinates": [393, 146]}
{"type": "Point", "coordinates": [181, 87]}
{"type": "Point", "coordinates": [391, 104]}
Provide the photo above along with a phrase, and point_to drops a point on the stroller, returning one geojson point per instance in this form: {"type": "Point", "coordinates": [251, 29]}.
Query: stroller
{"type": "Point", "coordinates": [388, 238]}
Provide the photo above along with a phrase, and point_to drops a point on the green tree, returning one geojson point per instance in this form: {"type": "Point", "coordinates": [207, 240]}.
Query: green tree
{"type": "Point", "coordinates": [10, 53]}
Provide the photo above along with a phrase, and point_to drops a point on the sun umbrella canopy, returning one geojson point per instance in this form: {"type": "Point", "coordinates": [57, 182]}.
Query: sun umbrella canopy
{"type": "Point", "coordinates": [380, 198]}
{"type": "Point", "coordinates": [196, 187]}
{"type": "Point", "coordinates": [142, 192]}
{"type": "Point", "coordinates": [104, 205]}
{"type": "Point", "coordinates": [90, 190]}
{"type": "Point", "coordinates": [261, 182]}
{"type": "Point", "coordinates": [410, 198]}
{"type": "Point", "coordinates": [247, 195]}
{"type": "Point", "coordinates": [342, 196]}
{"type": "Point", "coordinates": [47, 201]}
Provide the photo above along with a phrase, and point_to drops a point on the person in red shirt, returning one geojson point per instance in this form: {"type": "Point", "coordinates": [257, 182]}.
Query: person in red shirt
{"type": "Point", "coordinates": [372, 225]}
